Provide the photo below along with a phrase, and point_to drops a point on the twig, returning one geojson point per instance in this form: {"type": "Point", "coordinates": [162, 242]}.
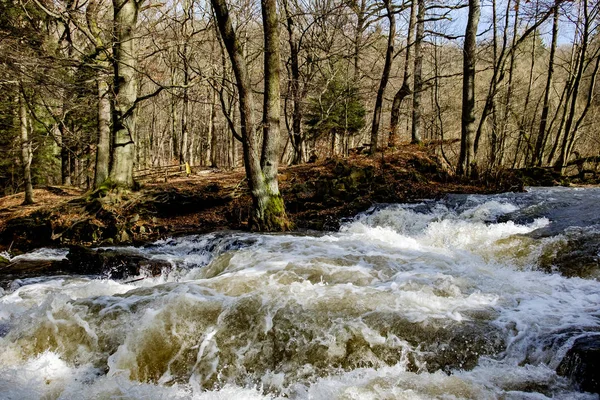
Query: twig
{"type": "Point", "coordinates": [232, 194]}
{"type": "Point", "coordinates": [135, 280]}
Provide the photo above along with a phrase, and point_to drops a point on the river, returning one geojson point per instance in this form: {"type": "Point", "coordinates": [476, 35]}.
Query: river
{"type": "Point", "coordinates": [450, 299]}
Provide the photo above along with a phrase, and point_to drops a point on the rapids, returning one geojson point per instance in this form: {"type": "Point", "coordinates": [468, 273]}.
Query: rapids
{"type": "Point", "coordinates": [437, 300]}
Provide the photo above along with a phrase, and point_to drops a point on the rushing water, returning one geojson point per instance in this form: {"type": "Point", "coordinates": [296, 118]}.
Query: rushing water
{"type": "Point", "coordinates": [438, 300]}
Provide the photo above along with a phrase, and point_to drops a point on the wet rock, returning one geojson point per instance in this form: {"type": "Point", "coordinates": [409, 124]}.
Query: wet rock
{"type": "Point", "coordinates": [112, 264]}
{"type": "Point", "coordinates": [25, 269]}
{"type": "Point", "coordinates": [454, 346]}
{"type": "Point", "coordinates": [582, 364]}
{"type": "Point", "coordinates": [462, 346]}
{"type": "Point", "coordinates": [577, 256]}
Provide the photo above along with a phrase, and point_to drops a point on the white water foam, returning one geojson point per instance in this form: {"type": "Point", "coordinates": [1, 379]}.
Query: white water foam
{"type": "Point", "coordinates": [359, 314]}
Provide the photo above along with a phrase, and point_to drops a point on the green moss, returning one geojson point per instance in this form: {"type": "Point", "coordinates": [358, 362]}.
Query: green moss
{"type": "Point", "coordinates": [272, 217]}
{"type": "Point", "coordinates": [101, 191]}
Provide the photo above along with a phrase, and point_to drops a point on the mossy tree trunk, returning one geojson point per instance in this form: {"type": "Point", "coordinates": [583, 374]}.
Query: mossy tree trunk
{"type": "Point", "coordinates": [260, 161]}
{"type": "Point", "coordinates": [270, 214]}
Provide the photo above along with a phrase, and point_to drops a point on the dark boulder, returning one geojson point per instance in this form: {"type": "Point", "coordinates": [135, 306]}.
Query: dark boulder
{"type": "Point", "coordinates": [24, 269]}
{"type": "Point", "coordinates": [581, 364]}
{"type": "Point", "coordinates": [577, 256]}
{"type": "Point", "coordinates": [112, 263]}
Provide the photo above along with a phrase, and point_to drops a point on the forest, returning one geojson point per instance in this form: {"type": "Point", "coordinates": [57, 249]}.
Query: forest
{"type": "Point", "coordinates": [97, 93]}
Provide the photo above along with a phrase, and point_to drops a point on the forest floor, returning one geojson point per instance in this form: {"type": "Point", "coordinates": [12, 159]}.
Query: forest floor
{"type": "Point", "coordinates": [317, 196]}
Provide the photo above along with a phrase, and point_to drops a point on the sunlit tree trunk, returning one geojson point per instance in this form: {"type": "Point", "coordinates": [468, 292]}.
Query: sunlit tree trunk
{"type": "Point", "coordinates": [271, 211]}
{"type": "Point", "coordinates": [173, 119]}
{"type": "Point", "coordinates": [268, 211]}
{"type": "Point", "coordinates": [418, 70]}
{"type": "Point", "coordinates": [524, 135]}
{"type": "Point", "coordinates": [389, 54]}
{"type": "Point", "coordinates": [404, 90]}
{"type": "Point", "coordinates": [293, 41]}
{"type": "Point", "coordinates": [125, 92]}
{"type": "Point", "coordinates": [211, 137]}
{"type": "Point", "coordinates": [466, 157]}
{"type": "Point", "coordinates": [184, 155]}
{"type": "Point", "coordinates": [538, 153]}
{"type": "Point", "coordinates": [103, 149]}
{"type": "Point", "coordinates": [561, 163]}
{"type": "Point", "coordinates": [102, 165]}
{"type": "Point", "coordinates": [26, 149]}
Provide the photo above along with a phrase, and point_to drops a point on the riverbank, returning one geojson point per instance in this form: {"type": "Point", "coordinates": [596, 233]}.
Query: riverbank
{"type": "Point", "coordinates": [317, 196]}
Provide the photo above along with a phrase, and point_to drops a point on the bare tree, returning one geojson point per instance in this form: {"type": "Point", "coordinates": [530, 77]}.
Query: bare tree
{"type": "Point", "coordinates": [268, 212]}
{"type": "Point", "coordinates": [404, 90]}
{"type": "Point", "coordinates": [385, 76]}
{"type": "Point", "coordinates": [466, 158]}
{"type": "Point", "coordinates": [417, 74]}
{"type": "Point", "coordinates": [125, 92]}
{"type": "Point", "coordinates": [26, 148]}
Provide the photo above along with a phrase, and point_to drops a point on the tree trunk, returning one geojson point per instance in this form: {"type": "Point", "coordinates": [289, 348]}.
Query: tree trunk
{"type": "Point", "coordinates": [103, 150]}
{"type": "Point", "coordinates": [125, 92]}
{"type": "Point", "coordinates": [466, 160]}
{"type": "Point", "coordinates": [494, 106]}
{"type": "Point", "coordinates": [65, 161]}
{"type": "Point", "coordinates": [418, 69]}
{"type": "Point", "coordinates": [561, 163]}
{"type": "Point", "coordinates": [184, 154]}
{"type": "Point", "coordinates": [385, 76]}
{"type": "Point", "coordinates": [26, 152]}
{"type": "Point", "coordinates": [538, 153]}
{"type": "Point", "coordinates": [232, 151]}
{"type": "Point", "coordinates": [524, 137]}
{"type": "Point", "coordinates": [360, 11]}
{"type": "Point", "coordinates": [404, 90]}
{"type": "Point", "coordinates": [102, 166]}
{"type": "Point", "coordinates": [589, 99]}
{"type": "Point", "coordinates": [173, 114]}
{"type": "Point", "coordinates": [268, 211]}
{"type": "Point", "coordinates": [499, 74]}
{"type": "Point", "coordinates": [297, 134]}
{"type": "Point", "coordinates": [509, 91]}
{"type": "Point", "coordinates": [211, 137]}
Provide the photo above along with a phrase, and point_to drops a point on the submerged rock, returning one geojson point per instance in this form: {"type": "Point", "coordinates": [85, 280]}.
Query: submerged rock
{"type": "Point", "coordinates": [24, 269]}
{"type": "Point", "coordinates": [112, 263]}
{"type": "Point", "coordinates": [446, 347]}
{"type": "Point", "coordinates": [577, 256]}
{"type": "Point", "coordinates": [582, 364]}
